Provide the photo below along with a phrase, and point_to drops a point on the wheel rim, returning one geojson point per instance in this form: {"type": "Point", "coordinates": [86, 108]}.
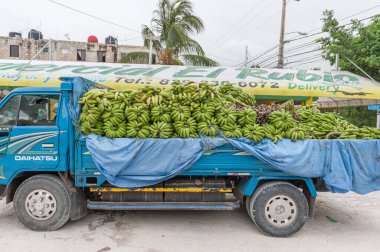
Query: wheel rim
{"type": "Point", "coordinates": [40, 204]}
{"type": "Point", "coordinates": [280, 210]}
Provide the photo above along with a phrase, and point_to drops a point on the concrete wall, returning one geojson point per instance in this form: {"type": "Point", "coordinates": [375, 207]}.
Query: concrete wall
{"type": "Point", "coordinates": [64, 50]}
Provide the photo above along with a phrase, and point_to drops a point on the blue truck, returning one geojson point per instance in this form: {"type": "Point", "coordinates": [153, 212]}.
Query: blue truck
{"type": "Point", "coordinates": [49, 174]}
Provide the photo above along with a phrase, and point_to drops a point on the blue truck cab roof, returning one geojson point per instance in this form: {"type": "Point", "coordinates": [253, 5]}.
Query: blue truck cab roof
{"type": "Point", "coordinates": [36, 89]}
{"type": "Point", "coordinates": [65, 85]}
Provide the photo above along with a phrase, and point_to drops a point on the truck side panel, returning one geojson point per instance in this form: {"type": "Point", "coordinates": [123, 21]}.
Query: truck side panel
{"type": "Point", "coordinates": [224, 161]}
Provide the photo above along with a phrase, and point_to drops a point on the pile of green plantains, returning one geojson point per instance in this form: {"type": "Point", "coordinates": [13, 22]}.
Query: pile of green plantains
{"type": "Point", "coordinates": [189, 110]}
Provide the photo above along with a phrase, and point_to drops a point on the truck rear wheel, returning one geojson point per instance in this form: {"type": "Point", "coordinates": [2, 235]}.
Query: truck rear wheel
{"type": "Point", "coordinates": [42, 203]}
{"type": "Point", "coordinates": [278, 209]}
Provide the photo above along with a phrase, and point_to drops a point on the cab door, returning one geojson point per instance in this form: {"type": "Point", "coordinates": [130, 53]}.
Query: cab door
{"type": "Point", "coordinates": [8, 119]}
{"type": "Point", "coordinates": [33, 143]}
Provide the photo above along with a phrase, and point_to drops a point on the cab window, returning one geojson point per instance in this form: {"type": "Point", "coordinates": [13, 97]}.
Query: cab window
{"type": "Point", "coordinates": [9, 112]}
{"type": "Point", "coordinates": [38, 110]}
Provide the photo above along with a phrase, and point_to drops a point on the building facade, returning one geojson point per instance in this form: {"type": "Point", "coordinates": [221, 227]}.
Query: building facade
{"type": "Point", "coordinates": [63, 50]}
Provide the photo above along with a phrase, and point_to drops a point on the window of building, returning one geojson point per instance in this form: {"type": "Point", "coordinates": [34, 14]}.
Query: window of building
{"type": "Point", "coordinates": [8, 113]}
{"type": "Point", "coordinates": [37, 110]}
{"type": "Point", "coordinates": [81, 55]}
{"type": "Point", "coordinates": [101, 56]}
{"type": "Point", "coordinates": [15, 51]}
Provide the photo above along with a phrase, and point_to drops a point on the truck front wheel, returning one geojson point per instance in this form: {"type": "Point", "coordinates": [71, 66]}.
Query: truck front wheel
{"type": "Point", "coordinates": [42, 203]}
{"type": "Point", "coordinates": [278, 209]}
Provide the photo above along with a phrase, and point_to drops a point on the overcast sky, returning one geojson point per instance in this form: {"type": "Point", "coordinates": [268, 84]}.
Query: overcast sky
{"type": "Point", "coordinates": [230, 25]}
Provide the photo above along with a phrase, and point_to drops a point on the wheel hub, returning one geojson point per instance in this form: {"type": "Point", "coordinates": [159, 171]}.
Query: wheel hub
{"type": "Point", "coordinates": [280, 210]}
{"type": "Point", "coordinates": [40, 204]}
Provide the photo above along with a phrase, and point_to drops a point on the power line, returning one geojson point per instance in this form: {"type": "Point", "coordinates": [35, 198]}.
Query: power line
{"type": "Point", "coordinates": [298, 54]}
{"type": "Point", "coordinates": [295, 39]}
{"type": "Point", "coordinates": [358, 13]}
{"type": "Point", "coordinates": [258, 56]}
{"type": "Point", "coordinates": [295, 48]}
{"type": "Point", "coordinates": [95, 17]}
{"type": "Point", "coordinates": [216, 41]}
{"type": "Point", "coordinates": [215, 56]}
{"type": "Point", "coordinates": [355, 14]}
{"type": "Point", "coordinates": [245, 25]}
{"type": "Point", "coordinates": [319, 56]}
{"type": "Point", "coordinates": [307, 62]}
{"type": "Point", "coordinates": [269, 57]}
{"type": "Point", "coordinates": [273, 62]}
{"type": "Point", "coordinates": [323, 32]}
{"type": "Point", "coordinates": [303, 37]}
{"type": "Point", "coordinates": [301, 46]}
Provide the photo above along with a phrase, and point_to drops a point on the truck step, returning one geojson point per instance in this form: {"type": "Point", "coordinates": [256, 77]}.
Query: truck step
{"type": "Point", "coordinates": [104, 205]}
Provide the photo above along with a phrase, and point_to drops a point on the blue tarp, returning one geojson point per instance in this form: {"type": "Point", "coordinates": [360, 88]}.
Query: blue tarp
{"type": "Point", "coordinates": [344, 165]}
{"type": "Point", "coordinates": [80, 86]}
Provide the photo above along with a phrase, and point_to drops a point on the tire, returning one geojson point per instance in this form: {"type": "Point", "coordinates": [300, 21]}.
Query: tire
{"type": "Point", "coordinates": [278, 209]}
{"type": "Point", "coordinates": [42, 203]}
{"type": "Point", "coordinates": [247, 202]}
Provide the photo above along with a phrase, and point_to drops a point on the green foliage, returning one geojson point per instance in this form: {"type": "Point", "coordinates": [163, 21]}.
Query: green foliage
{"type": "Point", "coordinates": [175, 22]}
{"type": "Point", "coordinates": [136, 58]}
{"type": "Point", "coordinates": [357, 42]}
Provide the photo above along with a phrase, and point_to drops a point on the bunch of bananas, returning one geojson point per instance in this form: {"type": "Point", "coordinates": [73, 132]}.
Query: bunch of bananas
{"type": "Point", "coordinates": [91, 115]}
{"type": "Point", "coordinates": [161, 113]}
{"type": "Point", "coordinates": [273, 133]}
{"type": "Point", "coordinates": [113, 115]}
{"type": "Point", "coordinates": [151, 96]}
{"type": "Point", "coordinates": [138, 113]}
{"type": "Point", "coordinates": [188, 110]}
{"type": "Point", "coordinates": [186, 128]}
{"type": "Point", "coordinates": [203, 113]}
{"type": "Point", "coordinates": [296, 133]}
{"type": "Point", "coordinates": [138, 129]}
{"type": "Point", "coordinates": [254, 132]}
{"type": "Point", "coordinates": [232, 131]}
{"type": "Point", "coordinates": [246, 116]}
{"type": "Point", "coordinates": [161, 130]}
{"type": "Point", "coordinates": [225, 117]}
{"type": "Point", "coordinates": [180, 113]}
{"type": "Point", "coordinates": [305, 113]}
{"type": "Point", "coordinates": [112, 130]}
{"type": "Point", "coordinates": [236, 94]}
{"type": "Point", "coordinates": [208, 128]}
{"type": "Point", "coordinates": [207, 92]}
{"type": "Point", "coordinates": [93, 96]}
{"type": "Point", "coordinates": [282, 119]}
{"type": "Point", "coordinates": [365, 133]}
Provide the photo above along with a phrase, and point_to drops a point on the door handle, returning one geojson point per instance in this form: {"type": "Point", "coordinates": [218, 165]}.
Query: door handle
{"type": "Point", "coordinates": [47, 145]}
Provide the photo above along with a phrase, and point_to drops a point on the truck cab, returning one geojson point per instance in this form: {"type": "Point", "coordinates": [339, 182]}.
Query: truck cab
{"type": "Point", "coordinates": [48, 173]}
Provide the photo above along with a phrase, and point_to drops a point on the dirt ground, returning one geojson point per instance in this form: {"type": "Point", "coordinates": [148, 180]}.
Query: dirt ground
{"type": "Point", "coordinates": [342, 222]}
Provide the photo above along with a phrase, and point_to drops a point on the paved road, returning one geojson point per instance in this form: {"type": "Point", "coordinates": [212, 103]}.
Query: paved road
{"type": "Point", "coordinates": [342, 222]}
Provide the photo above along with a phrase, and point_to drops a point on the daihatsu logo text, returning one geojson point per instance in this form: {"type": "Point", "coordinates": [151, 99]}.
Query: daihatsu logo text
{"type": "Point", "coordinates": [36, 158]}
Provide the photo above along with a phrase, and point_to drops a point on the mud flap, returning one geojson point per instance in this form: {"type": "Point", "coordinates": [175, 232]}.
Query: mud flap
{"type": "Point", "coordinates": [78, 205]}
{"type": "Point", "coordinates": [2, 191]}
{"type": "Point", "coordinates": [311, 200]}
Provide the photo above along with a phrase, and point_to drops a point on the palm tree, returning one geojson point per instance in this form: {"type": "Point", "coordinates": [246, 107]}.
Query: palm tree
{"type": "Point", "coordinates": [174, 21]}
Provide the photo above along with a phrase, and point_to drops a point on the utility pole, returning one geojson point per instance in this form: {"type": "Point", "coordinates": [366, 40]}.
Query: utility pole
{"type": "Point", "coordinates": [337, 62]}
{"type": "Point", "coordinates": [246, 57]}
{"type": "Point", "coordinates": [280, 63]}
{"type": "Point", "coordinates": [50, 50]}
{"type": "Point", "coordinates": [150, 51]}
